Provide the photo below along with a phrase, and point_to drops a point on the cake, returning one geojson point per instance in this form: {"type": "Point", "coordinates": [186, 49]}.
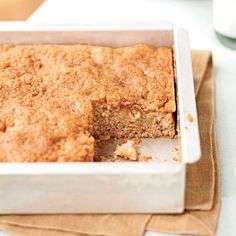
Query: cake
{"type": "Point", "coordinates": [57, 101]}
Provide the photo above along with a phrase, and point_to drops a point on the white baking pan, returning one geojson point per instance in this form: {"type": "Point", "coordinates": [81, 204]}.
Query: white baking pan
{"type": "Point", "coordinates": [129, 187]}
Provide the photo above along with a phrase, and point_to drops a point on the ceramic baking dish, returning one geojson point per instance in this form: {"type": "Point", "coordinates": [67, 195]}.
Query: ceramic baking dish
{"type": "Point", "coordinates": [157, 186]}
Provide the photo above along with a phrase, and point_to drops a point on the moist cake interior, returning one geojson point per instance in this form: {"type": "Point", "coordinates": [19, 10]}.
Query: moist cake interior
{"type": "Point", "coordinates": [124, 122]}
{"type": "Point", "coordinates": [56, 100]}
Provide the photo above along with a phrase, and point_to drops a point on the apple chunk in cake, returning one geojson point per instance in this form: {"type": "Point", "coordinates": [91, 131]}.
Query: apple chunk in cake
{"type": "Point", "coordinates": [56, 99]}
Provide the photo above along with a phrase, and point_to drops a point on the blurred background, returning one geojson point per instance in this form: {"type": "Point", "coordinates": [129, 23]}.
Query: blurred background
{"type": "Point", "coordinates": [17, 9]}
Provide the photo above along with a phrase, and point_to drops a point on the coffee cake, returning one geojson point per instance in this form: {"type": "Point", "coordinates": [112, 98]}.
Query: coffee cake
{"type": "Point", "coordinates": [55, 100]}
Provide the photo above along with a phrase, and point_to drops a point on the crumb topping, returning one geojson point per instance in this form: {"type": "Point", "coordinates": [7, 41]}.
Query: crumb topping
{"type": "Point", "coordinates": [47, 93]}
{"type": "Point", "coordinates": [189, 117]}
{"type": "Point", "coordinates": [127, 151]}
{"type": "Point", "coordinates": [145, 158]}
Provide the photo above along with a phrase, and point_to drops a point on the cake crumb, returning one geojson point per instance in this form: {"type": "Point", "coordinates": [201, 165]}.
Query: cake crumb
{"type": "Point", "coordinates": [176, 148]}
{"type": "Point", "coordinates": [100, 158]}
{"type": "Point", "coordinates": [122, 141]}
{"type": "Point", "coordinates": [137, 140]}
{"type": "Point", "coordinates": [177, 156]}
{"type": "Point", "coordinates": [190, 117]}
{"type": "Point", "coordinates": [178, 159]}
{"type": "Point", "coordinates": [145, 158]}
{"type": "Point", "coordinates": [107, 158]}
{"type": "Point", "coordinates": [127, 151]}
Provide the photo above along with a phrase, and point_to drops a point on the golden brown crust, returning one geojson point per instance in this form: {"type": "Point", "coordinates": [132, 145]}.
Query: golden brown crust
{"type": "Point", "coordinates": [45, 94]}
{"type": "Point", "coordinates": [44, 132]}
{"type": "Point", "coordinates": [139, 75]}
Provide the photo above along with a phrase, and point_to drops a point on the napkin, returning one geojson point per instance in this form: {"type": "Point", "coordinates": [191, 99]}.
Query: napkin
{"type": "Point", "coordinates": [202, 187]}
